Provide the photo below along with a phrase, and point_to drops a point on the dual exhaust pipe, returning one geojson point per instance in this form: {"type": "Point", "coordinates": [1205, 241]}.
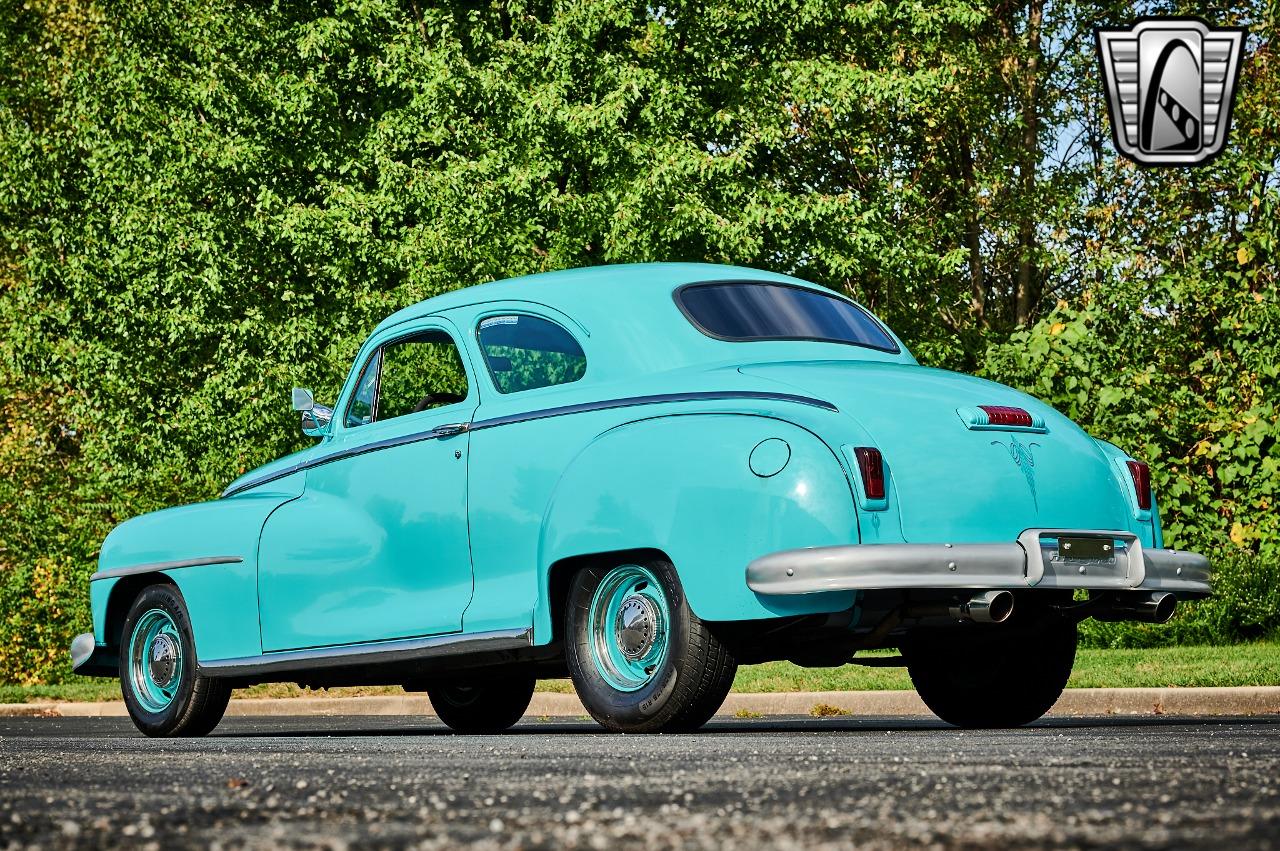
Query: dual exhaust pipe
{"type": "Point", "coordinates": [997, 606]}
{"type": "Point", "coordinates": [984, 607]}
{"type": "Point", "coordinates": [1141, 606]}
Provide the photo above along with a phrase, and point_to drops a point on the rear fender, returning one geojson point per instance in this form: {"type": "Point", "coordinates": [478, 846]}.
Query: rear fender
{"type": "Point", "coordinates": [1144, 524]}
{"type": "Point", "coordinates": [683, 485]}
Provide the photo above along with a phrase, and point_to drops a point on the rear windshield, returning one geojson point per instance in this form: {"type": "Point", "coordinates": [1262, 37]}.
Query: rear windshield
{"type": "Point", "coordinates": [755, 311]}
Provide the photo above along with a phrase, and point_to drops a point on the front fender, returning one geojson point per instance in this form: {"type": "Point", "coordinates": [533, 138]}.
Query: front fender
{"type": "Point", "coordinates": [209, 550]}
{"type": "Point", "coordinates": [683, 484]}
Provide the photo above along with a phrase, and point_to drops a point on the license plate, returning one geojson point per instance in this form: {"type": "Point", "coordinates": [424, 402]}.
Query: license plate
{"type": "Point", "coordinates": [1086, 549]}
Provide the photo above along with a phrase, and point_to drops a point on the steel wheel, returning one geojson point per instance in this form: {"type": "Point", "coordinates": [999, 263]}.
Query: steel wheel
{"type": "Point", "coordinates": [640, 659]}
{"type": "Point", "coordinates": [629, 624]}
{"type": "Point", "coordinates": [155, 660]}
{"type": "Point", "coordinates": [161, 683]}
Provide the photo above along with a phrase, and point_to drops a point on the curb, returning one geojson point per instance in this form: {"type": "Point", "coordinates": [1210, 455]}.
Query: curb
{"type": "Point", "coordinates": [1250, 700]}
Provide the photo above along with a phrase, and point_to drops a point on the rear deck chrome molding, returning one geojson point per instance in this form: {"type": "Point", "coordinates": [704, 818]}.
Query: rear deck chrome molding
{"type": "Point", "coordinates": [152, 567]}
{"type": "Point", "coordinates": [540, 414]}
{"type": "Point", "coordinates": [1012, 565]}
{"type": "Point", "coordinates": [400, 650]}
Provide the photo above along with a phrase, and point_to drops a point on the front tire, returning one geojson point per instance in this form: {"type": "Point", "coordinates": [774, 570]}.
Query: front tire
{"type": "Point", "coordinates": [162, 687]}
{"type": "Point", "coordinates": [995, 678]}
{"type": "Point", "coordinates": [640, 659]}
{"type": "Point", "coordinates": [488, 706]}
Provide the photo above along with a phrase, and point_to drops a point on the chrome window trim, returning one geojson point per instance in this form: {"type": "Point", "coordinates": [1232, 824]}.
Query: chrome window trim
{"type": "Point", "coordinates": [151, 567]}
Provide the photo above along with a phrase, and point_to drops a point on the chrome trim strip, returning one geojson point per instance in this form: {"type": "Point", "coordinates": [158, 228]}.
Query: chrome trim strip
{"type": "Point", "coordinates": [977, 566]}
{"type": "Point", "coordinates": [656, 399]}
{"type": "Point", "coordinates": [510, 419]}
{"type": "Point", "coordinates": [163, 565]}
{"type": "Point", "coordinates": [430, 647]}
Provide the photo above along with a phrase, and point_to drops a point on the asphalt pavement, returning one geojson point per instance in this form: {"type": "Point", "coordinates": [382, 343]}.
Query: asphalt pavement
{"type": "Point", "coordinates": [782, 783]}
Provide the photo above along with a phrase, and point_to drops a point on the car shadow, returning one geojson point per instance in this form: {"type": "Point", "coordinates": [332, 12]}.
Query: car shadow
{"type": "Point", "coordinates": [364, 726]}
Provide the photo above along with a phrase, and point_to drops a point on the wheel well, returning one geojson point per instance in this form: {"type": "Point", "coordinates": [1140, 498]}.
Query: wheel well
{"type": "Point", "coordinates": [560, 577]}
{"type": "Point", "coordinates": [123, 593]}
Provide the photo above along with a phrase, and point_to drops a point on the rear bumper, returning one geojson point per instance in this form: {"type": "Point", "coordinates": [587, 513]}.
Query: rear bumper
{"type": "Point", "coordinates": [1032, 561]}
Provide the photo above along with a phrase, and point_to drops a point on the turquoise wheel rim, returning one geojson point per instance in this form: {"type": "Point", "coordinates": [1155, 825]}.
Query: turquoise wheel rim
{"type": "Point", "coordinates": [155, 660]}
{"type": "Point", "coordinates": [629, 625]}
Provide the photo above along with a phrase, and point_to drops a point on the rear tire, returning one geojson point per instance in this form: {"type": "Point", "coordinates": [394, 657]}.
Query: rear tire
{"type": "Point", "coordinates": [640, 659]}
{"type": "Point", "coordinates": [487, 706]}
{"type": "Point", "coordinates": [994, 678]}
{"type": "Point", "coordinates": [159, 678]}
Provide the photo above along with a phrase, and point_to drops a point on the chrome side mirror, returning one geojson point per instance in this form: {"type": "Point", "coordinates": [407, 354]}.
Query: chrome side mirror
{"type": "Point", "coordinates": [315, 418]}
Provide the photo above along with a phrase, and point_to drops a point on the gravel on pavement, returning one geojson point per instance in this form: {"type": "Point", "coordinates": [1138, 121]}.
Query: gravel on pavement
{"type": "Point", "coordinates": [783, 783]}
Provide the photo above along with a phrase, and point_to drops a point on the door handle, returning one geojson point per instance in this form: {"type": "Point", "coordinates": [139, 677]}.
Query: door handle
{"type": "Point", "coordinates": [450, 429]}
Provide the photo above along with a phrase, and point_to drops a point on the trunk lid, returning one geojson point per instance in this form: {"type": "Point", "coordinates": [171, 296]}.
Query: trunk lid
{"type": "Point", "coordinates": [955, 483]}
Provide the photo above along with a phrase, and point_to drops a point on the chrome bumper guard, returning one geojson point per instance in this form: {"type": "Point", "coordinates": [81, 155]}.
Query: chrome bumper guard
{"type": "Point", "coordinates": [88, 659]}
{"type": "Point", "coordinates": [1033, 561]}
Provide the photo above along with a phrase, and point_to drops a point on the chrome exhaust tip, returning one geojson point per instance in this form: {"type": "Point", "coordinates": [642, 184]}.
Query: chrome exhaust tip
{"type": "Point", "coordinates": [1141, 606]}
{"type": "Point", "coordinates": [987, 607]}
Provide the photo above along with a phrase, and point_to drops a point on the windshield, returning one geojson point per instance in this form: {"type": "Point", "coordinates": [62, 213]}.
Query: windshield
{"type": "Point", "coordinates": [740, 311]}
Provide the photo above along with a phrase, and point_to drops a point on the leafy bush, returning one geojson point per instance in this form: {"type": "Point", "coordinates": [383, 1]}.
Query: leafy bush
{"type": "Point", "coordinates": [203, 203]}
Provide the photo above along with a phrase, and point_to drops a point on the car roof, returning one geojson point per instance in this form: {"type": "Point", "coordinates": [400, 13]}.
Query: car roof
{"type": "Point", "coordinates": [571, 290]}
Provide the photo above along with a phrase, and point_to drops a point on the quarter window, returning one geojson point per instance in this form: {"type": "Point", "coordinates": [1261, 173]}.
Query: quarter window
{"type": "Point", "coordinates": [525, 352]}
{"type": "Point", "coordinates": [408, 375]}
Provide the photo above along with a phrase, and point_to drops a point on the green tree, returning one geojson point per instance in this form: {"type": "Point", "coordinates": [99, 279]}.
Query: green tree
{"type": "Point", "coordinates": [202, 204]}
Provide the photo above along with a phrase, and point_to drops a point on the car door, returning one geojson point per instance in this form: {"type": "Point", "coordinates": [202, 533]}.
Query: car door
{"type": "Point", "coordinates": [376, 547]}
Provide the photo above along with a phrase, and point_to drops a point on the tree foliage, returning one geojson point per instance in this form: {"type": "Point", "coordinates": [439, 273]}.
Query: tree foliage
{"type": "Point", "coordinates": [204, 203]}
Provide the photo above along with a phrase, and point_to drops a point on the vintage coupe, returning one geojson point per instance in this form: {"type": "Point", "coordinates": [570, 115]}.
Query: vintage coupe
{"type": "Point", "coordinates": [642, 476]}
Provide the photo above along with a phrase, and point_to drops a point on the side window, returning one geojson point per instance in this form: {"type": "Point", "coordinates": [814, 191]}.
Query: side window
{"type": "Point", "coordinates": [360, 411]}
{"type": "Point", "coordinates": [524, 352]}
{"type": "Point", "coordinates": [406, 376]}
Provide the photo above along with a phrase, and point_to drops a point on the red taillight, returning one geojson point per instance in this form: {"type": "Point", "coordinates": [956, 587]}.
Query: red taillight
{"type": "Point", "coordinates": [871, 466]}
{"type": "Point", "coordinates": [1005, 415]}
{"type": "Point", "coordinates": [1141, 483]}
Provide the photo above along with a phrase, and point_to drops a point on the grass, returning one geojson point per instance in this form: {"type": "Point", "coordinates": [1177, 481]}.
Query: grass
{"type": "Point", "coordinates": [1235, 665]}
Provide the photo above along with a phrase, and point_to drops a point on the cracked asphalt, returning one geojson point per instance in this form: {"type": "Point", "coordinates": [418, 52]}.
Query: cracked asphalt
{"type": "Point", "coordinates": [781, 783]}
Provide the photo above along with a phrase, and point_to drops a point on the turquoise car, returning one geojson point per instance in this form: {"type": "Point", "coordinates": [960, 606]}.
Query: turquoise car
{"type": "Point", "coordinates": [640, 477]}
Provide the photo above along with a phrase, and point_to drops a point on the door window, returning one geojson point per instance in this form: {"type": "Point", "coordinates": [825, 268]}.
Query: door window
{"type": "Point", "coordinates": [524, 352]}
{"type": "Point", "coordinates": [408, 375]}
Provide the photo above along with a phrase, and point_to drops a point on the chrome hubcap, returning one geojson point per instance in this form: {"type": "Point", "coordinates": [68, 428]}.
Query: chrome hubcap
{"type": "Point", "coordinates": [164, 660]}
{"type": "Point", "coordinates": [635, 626]}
